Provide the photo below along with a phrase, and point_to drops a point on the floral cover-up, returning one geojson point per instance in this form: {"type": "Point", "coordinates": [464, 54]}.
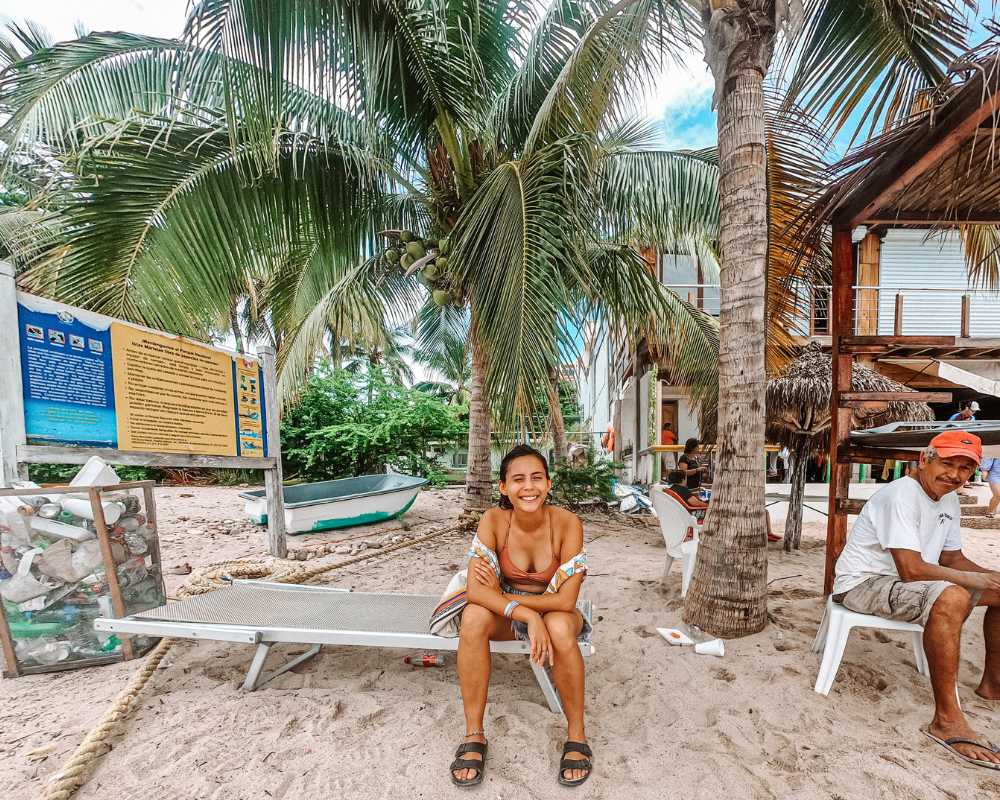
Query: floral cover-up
{"type": "Point", "coordinates": [445, 619]}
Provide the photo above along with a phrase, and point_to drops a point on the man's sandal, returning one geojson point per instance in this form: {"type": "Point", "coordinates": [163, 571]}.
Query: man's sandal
{"type": "Point", "coordinates": [949, 745]}
{"type": "Point", "coordinates": [479, 765]}
{"type": "Point", "coordinates": [575, 763]}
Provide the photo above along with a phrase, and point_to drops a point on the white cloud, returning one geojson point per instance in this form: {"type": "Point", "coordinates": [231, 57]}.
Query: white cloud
{"type": "Point", "coordinates": [153, 17]}
{"type": "Point", "coordinates": [681, 100]}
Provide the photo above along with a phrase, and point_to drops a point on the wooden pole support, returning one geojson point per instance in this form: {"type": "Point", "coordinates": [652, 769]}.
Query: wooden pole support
{"type": "Point", "coordinates": [277, 544]}
{"type": "Point", "coordinates": [966, 313]}
{"type": "Point", "coordinates": [110, 567]}
{"type": "Point", "coordinates": [897, 320]}
{"type": "Point", "coordinates": [12, 433]}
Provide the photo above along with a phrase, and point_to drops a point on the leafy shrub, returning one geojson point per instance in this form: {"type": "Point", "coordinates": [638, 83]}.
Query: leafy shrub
{"type": "Point", "coordinates": [347, 425]}
{"type": "Point", "coordinates": [63, 473]}
{"type": "Point", "coordinates": [573, 486]}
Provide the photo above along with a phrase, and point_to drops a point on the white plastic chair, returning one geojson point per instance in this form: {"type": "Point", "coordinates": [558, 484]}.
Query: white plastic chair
{"type": "Point", "coordinates": [831, 639]}
{"type": "Point", "coordinates": [675, 522]}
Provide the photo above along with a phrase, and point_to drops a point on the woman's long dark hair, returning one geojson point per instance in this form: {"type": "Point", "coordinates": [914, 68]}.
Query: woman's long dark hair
{"type": "Point", "coordinates": [516, 452]}
{"type": "Point", "coordinates": [691, 445]}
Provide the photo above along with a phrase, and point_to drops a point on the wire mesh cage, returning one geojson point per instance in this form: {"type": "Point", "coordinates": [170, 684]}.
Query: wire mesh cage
{"type": "Point", "coordinates": [70, 554]}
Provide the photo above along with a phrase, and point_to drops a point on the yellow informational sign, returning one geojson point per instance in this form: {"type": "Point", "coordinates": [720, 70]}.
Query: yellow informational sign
{"type": "Point", "coordinates": [249, 407]}
{"type": "Point", "coordinates": [174, 396]}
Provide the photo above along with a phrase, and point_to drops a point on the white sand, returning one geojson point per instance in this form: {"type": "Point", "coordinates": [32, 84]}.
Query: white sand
{"type": "Point", "coordinates": [357, 722]}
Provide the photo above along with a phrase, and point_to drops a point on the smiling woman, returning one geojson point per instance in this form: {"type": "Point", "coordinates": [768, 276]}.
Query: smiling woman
{"type": "Point", "coordinates": [525, 570]}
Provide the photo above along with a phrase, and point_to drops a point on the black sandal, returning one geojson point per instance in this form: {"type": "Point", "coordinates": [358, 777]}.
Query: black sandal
{"type": "Point", "coordinates": [469, 763]}
{"type": "Point", "coordinates": [575, 763]}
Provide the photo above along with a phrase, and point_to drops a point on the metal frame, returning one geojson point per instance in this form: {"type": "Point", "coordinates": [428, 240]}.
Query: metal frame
{"type": "Point", "coordinates": [12, 668]}
{"type": "Point", "coordinates": [15, 452]}
{"type": "Point", "coordinates": [266, 638]}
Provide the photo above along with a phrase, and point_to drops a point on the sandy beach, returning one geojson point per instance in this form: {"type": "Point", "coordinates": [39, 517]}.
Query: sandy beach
{"type": "Point", "coordinates": [357, 722]}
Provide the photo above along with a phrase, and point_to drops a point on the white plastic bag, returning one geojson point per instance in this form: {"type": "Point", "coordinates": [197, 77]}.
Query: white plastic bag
{"type": "Point", "coordinates": [23, 585]}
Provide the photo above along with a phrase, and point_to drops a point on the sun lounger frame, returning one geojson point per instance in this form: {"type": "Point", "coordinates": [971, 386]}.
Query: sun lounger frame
{"type": "Point", "coordinates": [265, 637]}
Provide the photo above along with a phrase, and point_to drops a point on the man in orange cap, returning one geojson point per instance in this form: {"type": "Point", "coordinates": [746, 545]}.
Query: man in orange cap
{"type": "Point", "coordinates": [903, 560]}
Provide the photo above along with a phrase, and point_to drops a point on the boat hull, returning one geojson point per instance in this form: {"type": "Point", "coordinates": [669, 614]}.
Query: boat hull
{"type": "Point", "coordinates": [346, 503]}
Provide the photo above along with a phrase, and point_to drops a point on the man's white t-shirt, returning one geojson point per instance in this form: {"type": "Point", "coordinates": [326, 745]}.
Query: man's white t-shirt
{"type": "Point", "coordinates": [899, 516]}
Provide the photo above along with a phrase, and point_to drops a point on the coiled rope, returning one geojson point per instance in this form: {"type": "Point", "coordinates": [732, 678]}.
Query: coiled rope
{"type": "Point", "coordinates": [73, 774]}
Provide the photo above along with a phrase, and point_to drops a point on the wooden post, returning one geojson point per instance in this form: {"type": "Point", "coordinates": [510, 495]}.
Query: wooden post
{"type": "Point", "coordinates": [897, 320]}
{"type": "Point", "coordinates": [841, 325]}
{"type": "Point", "coordinates": [277, 546]}
{"type": "Point", "coordinates": [966, 313]}
{"type": "Point", "coordinates": [637, 427]}
{"type": "Point", "coordinates": [869, 255]}
{"type": "Point", "coordinates": [11, 392]}
{"type": "Point", "coordinates": [110, 568]}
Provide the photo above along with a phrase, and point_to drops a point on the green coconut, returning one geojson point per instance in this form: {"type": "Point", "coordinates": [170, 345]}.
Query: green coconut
{"type": "Point", "coordinates": [416, 250]}
{"type": "Point", "coordinates": [406, 236]}
{"type": "Point", "coordinates": [424, 280]}
{"type": "Point", "coordinates": [406, 261]}
{"type": "Point", "coordinates": [441, 297]}
{"type": "Point", "coordinates": [444, 246]}
{"type": "Point", "coordinates": [430, 271]}
{"type": "Point", "coordinates": [392, 256]}
{"type": "Point", "coordinates": [442, 263]}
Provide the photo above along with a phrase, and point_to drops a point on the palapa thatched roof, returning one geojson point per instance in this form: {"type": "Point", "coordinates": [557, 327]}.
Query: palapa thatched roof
{"type": "Point", "coordinates": [937, 166]}
{"type": "Point", "coordinates": [798, 400]}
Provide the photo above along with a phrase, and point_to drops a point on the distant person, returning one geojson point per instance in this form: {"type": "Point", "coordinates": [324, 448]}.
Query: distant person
{"type": "Point", "coordinates": [694, 503]}
{"type": "Point", "coordinates": [990, 469]}
{"type": "Point", "coordinates": [903, 560]}
{"type": "Point", "coordinates": [689, 464]}
{"type": "Point", "coordinates": [667, 435]}
{"type": "Point", "coordinates": [967, 413]}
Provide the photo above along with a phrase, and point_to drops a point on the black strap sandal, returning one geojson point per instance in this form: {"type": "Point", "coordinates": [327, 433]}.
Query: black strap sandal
{"type": "Point", "coordinates": [469, 763]}
{"type": "Point", "coordinates": [575, 763]}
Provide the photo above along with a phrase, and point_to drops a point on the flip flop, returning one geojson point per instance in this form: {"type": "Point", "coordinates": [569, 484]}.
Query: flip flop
{"type": "Point", "coordinates": [479, 765]}
{"type": "Point", "coordinates": [947, 744]}
{"type": "Point", "coordinates": [575, 763]}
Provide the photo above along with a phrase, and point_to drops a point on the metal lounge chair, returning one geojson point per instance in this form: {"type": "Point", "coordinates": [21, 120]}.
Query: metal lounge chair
{"type": "Point", "coordinates": [265, 614]}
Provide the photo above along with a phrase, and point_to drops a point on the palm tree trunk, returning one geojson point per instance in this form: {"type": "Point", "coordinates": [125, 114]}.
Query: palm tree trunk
{"type": "Point", "coordinates": [556, 421]}
{"type": "Point", "coordinates": [234, 321]}
{"type": "Point", "coordinates": [728, 595]}
{"type": "Point", "coordinates": [793, 522]}
{"type": "Point", "coordinates": [479, 477]}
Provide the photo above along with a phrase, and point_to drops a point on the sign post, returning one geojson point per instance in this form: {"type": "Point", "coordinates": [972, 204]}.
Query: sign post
{"type": "Point", "coordinates": [75, 384]}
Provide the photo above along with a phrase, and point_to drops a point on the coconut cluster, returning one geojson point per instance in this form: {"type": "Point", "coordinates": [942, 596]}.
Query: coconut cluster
{"type": "Point", "coordinates": [433, 271]}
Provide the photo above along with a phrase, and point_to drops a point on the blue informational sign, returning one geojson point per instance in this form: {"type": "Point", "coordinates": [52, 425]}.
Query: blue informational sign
{"type": "Point", "coordinates": [69, 393]}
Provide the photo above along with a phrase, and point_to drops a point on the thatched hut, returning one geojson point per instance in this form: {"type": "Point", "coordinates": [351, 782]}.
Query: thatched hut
{"type": "Point", "coordinates": [798, 416]}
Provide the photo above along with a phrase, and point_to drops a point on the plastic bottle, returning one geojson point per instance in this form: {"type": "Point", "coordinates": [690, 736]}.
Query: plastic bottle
{"type": "Point", "coordinates": [424, 660]}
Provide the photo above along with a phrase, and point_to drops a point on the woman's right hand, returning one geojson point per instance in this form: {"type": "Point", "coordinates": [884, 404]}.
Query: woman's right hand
{"type": "Point", "coordinates": [541, 645]}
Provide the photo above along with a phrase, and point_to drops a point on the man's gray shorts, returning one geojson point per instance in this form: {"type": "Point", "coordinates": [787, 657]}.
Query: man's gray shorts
{"type": "Point", "coordinates": [888, 596]}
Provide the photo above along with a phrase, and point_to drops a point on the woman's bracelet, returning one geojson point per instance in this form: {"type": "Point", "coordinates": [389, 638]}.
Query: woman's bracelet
{"type": "Point", "coordinates": [509, 608]}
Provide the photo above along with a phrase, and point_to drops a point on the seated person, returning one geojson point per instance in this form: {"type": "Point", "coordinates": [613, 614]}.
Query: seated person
{"type": "Point", "coordinates": [693, 502]}
{"type": "Point", "coordinates": [676, 482]}
{"type": "Point", "coordinates": [903, 560]}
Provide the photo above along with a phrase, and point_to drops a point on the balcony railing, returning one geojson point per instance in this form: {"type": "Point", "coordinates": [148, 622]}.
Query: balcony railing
{"type": "Point", "coordinates": [881, 310]}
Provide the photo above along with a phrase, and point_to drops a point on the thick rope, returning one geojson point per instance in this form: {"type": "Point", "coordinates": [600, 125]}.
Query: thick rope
{"type": "Point", "coordinates": [73, 773]}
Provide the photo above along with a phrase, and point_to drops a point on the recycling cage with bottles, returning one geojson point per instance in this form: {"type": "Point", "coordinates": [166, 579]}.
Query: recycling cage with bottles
{"type": "Point", "coordinates": [69, 554]}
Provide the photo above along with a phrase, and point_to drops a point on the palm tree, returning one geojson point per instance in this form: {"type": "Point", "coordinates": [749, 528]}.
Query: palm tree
{"type": "Point", "coordinates": [869, 55]}
{"type": "Point", "coordinates": [290, 145]}
{"type": "Point", "coordinates": [443, 349]}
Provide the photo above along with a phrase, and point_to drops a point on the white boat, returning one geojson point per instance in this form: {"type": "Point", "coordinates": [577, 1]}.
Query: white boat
{"type": "Point", "coordinates": [327, 505]}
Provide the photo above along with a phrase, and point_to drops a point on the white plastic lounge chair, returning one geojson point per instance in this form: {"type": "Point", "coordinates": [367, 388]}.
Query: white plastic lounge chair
{"type": "Point", "coordinates": [265, 613]}
{"type": "Point", "coordinates": [675, 522]}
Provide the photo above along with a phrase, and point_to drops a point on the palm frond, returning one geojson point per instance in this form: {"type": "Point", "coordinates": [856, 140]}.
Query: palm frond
{"type": "Point", "coordinates": [865, 62]}
{"type": "Point", "coordinates": [982, 254]}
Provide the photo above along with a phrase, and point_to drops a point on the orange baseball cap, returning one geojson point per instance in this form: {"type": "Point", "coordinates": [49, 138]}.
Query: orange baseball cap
{"type": "Point", "coordinates": [958, 443]}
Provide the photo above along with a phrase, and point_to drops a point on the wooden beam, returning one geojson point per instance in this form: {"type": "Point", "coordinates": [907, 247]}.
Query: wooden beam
{"type": "Point", "coordinates": [850, 506]}
{"type": "Point", "coordinates": [956, 216]}
{"type": "Point", "coordinates": [892, 397]}
{"type": "Point", "coordinates": [852, 454]}
{"type": "Point", "coordinates": [897, 316]}
{"type": "Point", "coordinates": [841, 327]}
{"type": "Point", "coordinates": [39, 454]}
{"type": "Point", "coordinates": [974, 104]}
{"type": "Point", "coordinates": [897, 341]}
{"type": "Point", "coordinates": [966, 315]}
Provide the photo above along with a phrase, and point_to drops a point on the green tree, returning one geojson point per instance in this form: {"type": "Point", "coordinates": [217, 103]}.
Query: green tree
{"type": "Point", "coordinates": [286, 145]}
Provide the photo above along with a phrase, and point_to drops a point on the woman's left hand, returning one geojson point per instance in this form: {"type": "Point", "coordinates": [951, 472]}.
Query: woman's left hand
{"type": "Point", "coordinates": [486, 576]}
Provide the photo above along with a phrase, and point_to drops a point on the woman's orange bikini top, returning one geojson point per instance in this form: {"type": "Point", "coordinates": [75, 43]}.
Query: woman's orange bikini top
{"type": "Point", "coordinates": [515, 574]}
